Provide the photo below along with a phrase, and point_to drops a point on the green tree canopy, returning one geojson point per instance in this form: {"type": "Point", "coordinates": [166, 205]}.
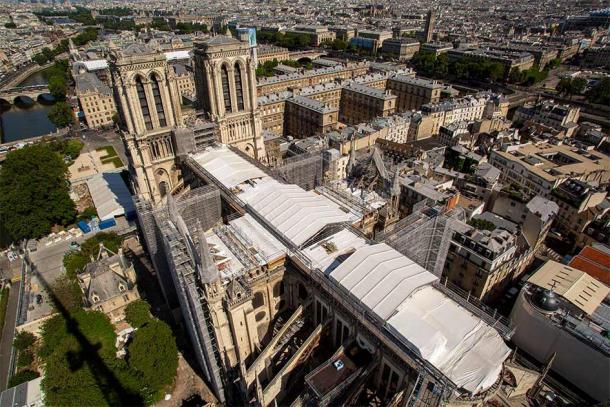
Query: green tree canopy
{"type": "Point", "coordinates": [77, 260]}
{"type": "Point", "coordinates": [58, 87]}
{"type": "Point", "coordinates": [23, 340]}
{"type": "Point", "coordinates": [154, 356]}
{"type": "Point", "coordinates": [34, 192]}
{"type": "Point", "coordinates": [600, 93]}
{"type": "Point", "coordinates": [61, 114]}
{"type": "Point", "coordinates": [137, 313]}
{"type": "Point", "coordinates": [66, 294]}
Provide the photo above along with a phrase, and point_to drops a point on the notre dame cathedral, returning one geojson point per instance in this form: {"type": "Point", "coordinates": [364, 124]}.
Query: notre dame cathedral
{"type": "Point", "coordinates": [149, 103]}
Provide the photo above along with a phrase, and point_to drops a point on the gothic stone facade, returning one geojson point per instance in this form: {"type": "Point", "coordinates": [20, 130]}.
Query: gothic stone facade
{"type": "Point", "coordinates": [149, 100]}
{"type": "Point", "coordinates": [225, 82]}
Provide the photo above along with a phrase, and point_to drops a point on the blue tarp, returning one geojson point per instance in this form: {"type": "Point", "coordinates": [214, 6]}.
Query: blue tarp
{"type": "Point", "coordinates": [82, 225]}
{"type": "Point", "coordinates": [108, 223]}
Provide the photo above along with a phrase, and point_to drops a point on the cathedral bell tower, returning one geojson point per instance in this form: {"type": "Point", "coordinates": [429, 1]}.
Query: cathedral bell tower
{"type": "Point", "coordinates": [225, 81]}
{"type": "Point", "coordinates": [149, 105]}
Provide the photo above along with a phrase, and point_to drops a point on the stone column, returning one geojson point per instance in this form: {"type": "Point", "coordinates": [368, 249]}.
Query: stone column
{"type": "Point", "coordinates": [127, 115]}
{"type": "Point", "coordinates": [209, 89]}
{"type": "Point", "coordinates": [134, 106]}
{"type": "Point", "coordinates": [220, 104]}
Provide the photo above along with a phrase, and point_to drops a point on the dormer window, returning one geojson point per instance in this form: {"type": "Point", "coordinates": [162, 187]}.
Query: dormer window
{"type": "Point", "coordinates": [121, 287]}
{"type": "Point", "coordinates": [95, 297]}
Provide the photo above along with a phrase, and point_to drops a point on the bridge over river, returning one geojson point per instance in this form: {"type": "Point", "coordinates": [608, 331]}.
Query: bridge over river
{"type": "Point", "coordinates": [32, 92]}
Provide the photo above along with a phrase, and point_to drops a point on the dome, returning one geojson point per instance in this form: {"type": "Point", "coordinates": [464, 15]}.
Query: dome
{"type": "Point", "coordinates": [546, 300]}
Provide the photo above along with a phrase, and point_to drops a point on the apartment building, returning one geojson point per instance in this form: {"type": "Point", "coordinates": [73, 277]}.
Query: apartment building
{"type": "Point", "coordinates": [185, 80]}
{"type": "Point", "coordinates": [317, 33]}
{"type": "Point", "coordinates": [266, 52]}
{"type": "Point", "coordinates": [483, 105]}
{"type": "Point", "coordinates": [509, 59]}
{"type": "Point", "coordinates": [361, 103]}
{"type": "Point", "coordinates": [311, 77]}
{"type": "Point", "coordinates": [551, 114]}
{"type": "Point", "coordinates": [306, 117]}
{"type": "Point", "coordinates": [494, 248]}
{"type": "Point", "coordinates": [539, 168]}
{"type": "Point", "coordinates": [412, 93]}
{"type": "Point", "coordinates": [402, 48]}
{"type": "Point", "coordinates": [95, 99]}
{"type": "Point", "coordinates": [580, 204]}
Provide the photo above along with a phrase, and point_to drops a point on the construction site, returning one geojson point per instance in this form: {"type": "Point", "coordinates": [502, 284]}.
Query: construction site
{"type": "Point", "coordinates": [292, 294]}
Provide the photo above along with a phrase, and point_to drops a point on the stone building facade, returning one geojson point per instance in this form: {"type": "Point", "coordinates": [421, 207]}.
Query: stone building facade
{"type": "Point", "coordinates": [307, 117]}
{"type": "Point", "coordinates": [361, 103]}
{"type": "Point", "coordinates": [226, 90]}
{"type": "Point", "coordinates": [149, 106]}
{"type": "Point", "coordinates": [95, 99]}
{"type": "Point", "coordinates": [413, 93]}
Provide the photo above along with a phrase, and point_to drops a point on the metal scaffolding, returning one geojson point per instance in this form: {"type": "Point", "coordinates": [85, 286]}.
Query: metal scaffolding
{"type": "Point", "coordinates": [423, 237]}
{"type": "Point", "coordinates": [197, 206]}
{"type": "Point", "coordinates": [304, 170]}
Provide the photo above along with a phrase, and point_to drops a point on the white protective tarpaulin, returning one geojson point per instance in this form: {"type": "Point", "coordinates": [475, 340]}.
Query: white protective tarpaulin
{"type": "Point", "coordinates": [458, 343]}
{"type": "Point", "coordinates": [296, 213]}
{"type": "Point", "coordinates": [455, 341]}
{"type": "Point", "coordinates": [110, 195]}
{"type": "Point", "coordinates": [227, 167]}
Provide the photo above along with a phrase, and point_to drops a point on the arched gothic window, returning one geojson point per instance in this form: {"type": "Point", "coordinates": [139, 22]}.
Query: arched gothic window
{"type": "Point", "coordinates": [156, 90]}
{"type": "Point", "coordinates": [239, 88]}
{"type": "Point", "coordinates": [226, 92]}
{"type": "Point", "coordinates": [143, 103]}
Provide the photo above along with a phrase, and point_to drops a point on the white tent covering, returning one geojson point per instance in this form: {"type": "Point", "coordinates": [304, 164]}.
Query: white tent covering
{"type": "Point", "coordinates": [177, 55]}
{"type": "Point", "coordinates": [110, 195]}
{"type": "Point", "coordinates": [458, 343]}
{"type": "Point", "coordinates": [343, 242]}
{"type": "Point", "coordinates": [381, 278]}
{"type": "Point", "coordinates": [227, 167]}
{"type": "Point", "coordinates": [260, 237]}
{"type": "Point", "coordinates": [94, 64]}
{"type": "Point", "coordinates": [294, 212]}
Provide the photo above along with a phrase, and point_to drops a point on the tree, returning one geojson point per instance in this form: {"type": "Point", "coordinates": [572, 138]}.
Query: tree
{"type": "Point", "coordinates": [77, 260]}
{"type": "Point", "coordinates": [23, 340]}
{"type": "Point", "coordinates": [578, 86]}
{"type": "Point", "coordinates": [154, 356]}
{"type": "Point", "coordinates": [600, 93]}
{"type": "Point", "coordinates": [40, 59]}
{"type": "Point", "coordinates": [137, 313]}
{"type": "Point", "coordinates": [564, 86]}
{"type": "Point", "coordinates": [61, 114]}
{"type": "Point", "coordinates": [58, 87]}
{"type": "Point", "coordinates": [34, 192]}
{"type": "Point", "coordinates": [441, 66]}
{"type": "Point", "coordinates": [22, 377]}
{"type": "Point", "coordinates": [25, 358]}
{"type": "Point", "coordinates": [10, 25]}
{"type": "Point", "coordinates": [66, 294]}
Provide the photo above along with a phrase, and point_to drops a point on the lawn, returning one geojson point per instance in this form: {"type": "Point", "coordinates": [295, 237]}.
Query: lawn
{"type": "Point", "coordinates": [110, 157]}
{"type": "Point", "coordinates": [110, 152]}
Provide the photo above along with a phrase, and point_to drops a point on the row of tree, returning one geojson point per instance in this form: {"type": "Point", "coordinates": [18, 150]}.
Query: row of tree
{"type": "Point", "coordinates": [286, 40]}
{"type": "Point", "coordinates": [265, 69]}
{"type": "Point", "coordinates": [188, 28]}
{"type": "Point", "coordinates": [469, 68]}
